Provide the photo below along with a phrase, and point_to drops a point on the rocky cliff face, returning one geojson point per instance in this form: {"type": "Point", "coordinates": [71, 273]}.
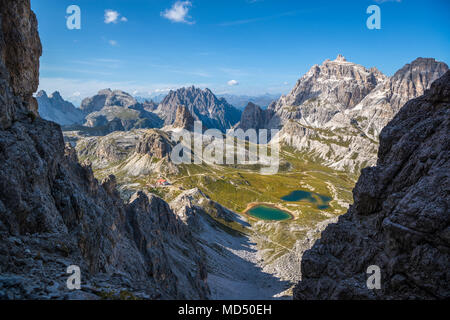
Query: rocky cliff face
{"type": "Point", "coordinates": [374, 112]}
{"type": "Point", "coordinates": [254, 117]}
{"type": "Point", "coordinates": [319, 118]}
{"type": "Point", "coordinates": [183, 119]}
{"type": "Point", "coordinates": [324, 91]}
{"type": "Point", "coordinates": [20, 50]}
{"type": "Point", "coordinates": [54, 213]}
{"type": "Point", "coordinates": [400, 219]}
{"type": "Point", "coordinates": [203, 105]}
{"type": "Point", "coordinates": [154, 144]}
{"type": "Point", "coordinates": [55, 108]}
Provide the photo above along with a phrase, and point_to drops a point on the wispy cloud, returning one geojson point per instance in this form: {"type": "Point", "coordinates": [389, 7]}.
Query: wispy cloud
{"type": "Point", "coordinates": [112, 16]}
{"type": "Point", "coordinates": [113, 43]}
{"type": "Point", "coordinates": [47, 68]}
{"type": "Point", "coordinates": [102, 63]}
{"type": "Point", "coordinates": [179, 12]}
{"type": "Point", "coordinates": [233, 83]}
{"type": "Point", "coordinates": [258, 19]}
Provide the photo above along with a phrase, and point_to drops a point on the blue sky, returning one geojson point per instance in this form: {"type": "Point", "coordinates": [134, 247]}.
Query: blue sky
{"type": "Point", "coordinates": [230, 46]}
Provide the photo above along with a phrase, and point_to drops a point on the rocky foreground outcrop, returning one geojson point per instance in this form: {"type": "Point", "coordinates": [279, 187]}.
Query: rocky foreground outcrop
{"type": "Point", "coordinates": [400, 220]}
{"type": "Point", "coordinates": [54, 213]}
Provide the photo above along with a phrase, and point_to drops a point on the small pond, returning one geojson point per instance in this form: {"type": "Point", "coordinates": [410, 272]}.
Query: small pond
{"type": "Point", "coordinates": [264, 212]}
{"type": "Point", "coordinates": [322, 202]}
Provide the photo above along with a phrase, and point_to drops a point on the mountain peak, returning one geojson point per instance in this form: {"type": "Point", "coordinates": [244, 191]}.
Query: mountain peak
{"type": "Point", "coordinates": [340, 58]}
{"type": "Point", "coordinates": [202, 104]}
{"type": "Point", "coordinates": [56, 95]}
{"type": "Point", "coordinates": [105, 92]}
{"type": "Point", "coordinates": [41, 94]}
{"type": "Point", "coordinates": [183, 119]}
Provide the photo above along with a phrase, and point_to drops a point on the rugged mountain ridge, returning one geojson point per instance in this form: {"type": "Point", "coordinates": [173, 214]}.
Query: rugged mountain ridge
{"type": "Point", "coordinates": [203, 105]}
{"type": "Point", "coordinates": [54, 213]}
{"type": "Point", "coordinates": [118, 111]}
{"type": "Point", "coordinates": [253, 117]}
{"type": "Point", "coordinates": [337, 110]}
{"type": "Point", "coordinates": [324, 91]}
{"type": "Point", "coordinates": [55, 108]}
{"type": "Point", "coordinates": [375, 111]}
{"type": "Point", "coordinates": [400, 218]}
{"type": "Point", "coordinates": [183, 119]}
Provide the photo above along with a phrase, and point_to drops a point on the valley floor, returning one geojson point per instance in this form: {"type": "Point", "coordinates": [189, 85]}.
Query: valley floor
{"type": "Point", "coordinates": [247, 258]}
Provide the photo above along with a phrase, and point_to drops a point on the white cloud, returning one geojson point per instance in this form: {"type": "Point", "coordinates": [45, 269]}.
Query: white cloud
{"type": "Point", "coordinates": [113, 43]}
{"type": "Point", "coordinates": [112, 16]}
{"type": "Point", "coordinates": [233, 83]}
{"type": "Point", "coordinates": [179, 12]}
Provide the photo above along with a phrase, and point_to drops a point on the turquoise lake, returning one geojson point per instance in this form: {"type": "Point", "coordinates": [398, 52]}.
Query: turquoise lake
{"type": "Point", "coordinates": [268, 213]}
{"type": "Point", "coordinates": [322, 202]}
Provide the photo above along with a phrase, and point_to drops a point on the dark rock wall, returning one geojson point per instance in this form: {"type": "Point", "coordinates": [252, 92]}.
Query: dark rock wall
{"type": "Point", "coordinates": [54, 213]}
{"type": "Point", "coordinates": [400, 218]}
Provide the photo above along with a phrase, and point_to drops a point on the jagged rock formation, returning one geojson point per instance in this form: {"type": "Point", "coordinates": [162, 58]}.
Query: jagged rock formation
{"type": "Point", "coordinates": [253, 117]}
{"type": "Point", "coordinates": [134, 153]}
{"type": "Point", "coordinates": [183, 119]}
{"type": "Point", "coordinates": [118, 111]}
{"type": "Point", "coordinates": [203, 105]}
{"type": "Point", "coordinates": [19, 67]}
{"type": "Point", "coordinates": [374, 112]}
{"type": "Point", "coordinates": [154, 144]}
{"type": "Point", "coordinates": [150, 105]}
{"type": "Point", "coordinates": [54, 213]}
{"type": "Point", "coordinates": [324, 91]}
{"type": "Point", "coordinates": [337, 110]}
{"type": "Point", "coordinates": [102, 151]}
{"type": "Point", "coordinates": [55, 108]}
{"type": "Point", "coordinates": [400, 219]}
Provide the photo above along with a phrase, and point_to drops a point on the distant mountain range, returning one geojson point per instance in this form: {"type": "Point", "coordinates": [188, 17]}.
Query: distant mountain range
{"type": "Point", "coordinates": [241, 101]}
{"type": "Point", "coordinates": [155, 98]}
{"type": "Point", "coordinates": [115, 110]}
{"type": "Point", "coordinates": [334, 113]}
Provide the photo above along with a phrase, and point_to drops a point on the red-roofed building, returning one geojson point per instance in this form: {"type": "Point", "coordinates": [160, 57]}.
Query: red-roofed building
{"type": "Point", "coordinates": [162, 182]}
